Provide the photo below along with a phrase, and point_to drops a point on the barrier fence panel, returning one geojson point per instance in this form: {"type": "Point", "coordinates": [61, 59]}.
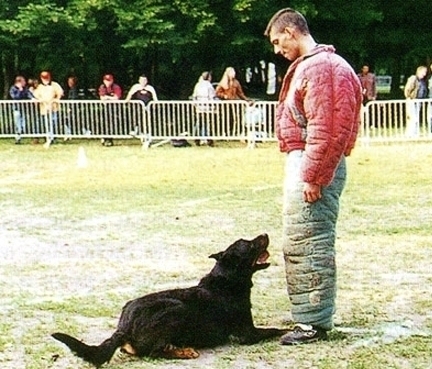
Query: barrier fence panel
{"type": "Point", "coordinates": [396, 120]}
{"type": "Point", "coordinates": [69, 119]}
{"type": "Point", "coordinates": [216, 120]}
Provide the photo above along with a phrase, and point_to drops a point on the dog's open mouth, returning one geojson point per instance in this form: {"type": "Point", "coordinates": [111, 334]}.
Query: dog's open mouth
{"type": "Point", "coordinates": [261, 261]}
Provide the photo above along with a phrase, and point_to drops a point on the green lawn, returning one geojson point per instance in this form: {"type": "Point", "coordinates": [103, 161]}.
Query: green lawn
{"type": "Point", "coordinates": [77, 243]}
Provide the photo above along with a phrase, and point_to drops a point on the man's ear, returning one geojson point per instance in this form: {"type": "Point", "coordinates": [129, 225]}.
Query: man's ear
{"type": "Point", "coordinates": [289, 31]}
{"type": "Point", "coordinates": [216, 256]}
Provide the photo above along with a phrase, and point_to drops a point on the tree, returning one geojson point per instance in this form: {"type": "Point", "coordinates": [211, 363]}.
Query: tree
{"type": "Point", "coordinates": [173, 41]}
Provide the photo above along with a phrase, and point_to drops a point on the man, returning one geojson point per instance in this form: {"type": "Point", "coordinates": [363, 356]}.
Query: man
{"type": "Point", "coordinates": [19, 91]}
{"type": "Point", "coordinates": [48, 93]}
{"type": "Point", "coordinates": [142, 91]}
{"type": "Point", "coordinates": [368, 83]}
{"type": "Point", "coordinates": [109, 91]}
{"type": "Point", "coordinates": [415, 88]}
{"type": "Point", "coordinates": [317, 120]}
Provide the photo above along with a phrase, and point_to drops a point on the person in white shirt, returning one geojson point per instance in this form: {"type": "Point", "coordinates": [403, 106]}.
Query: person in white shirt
{"type": "Point", "coordinates": [203, 93]}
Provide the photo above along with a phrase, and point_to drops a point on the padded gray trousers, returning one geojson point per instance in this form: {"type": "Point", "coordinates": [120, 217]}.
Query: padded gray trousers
{"type": "Point", "coordinates": [309, 233]}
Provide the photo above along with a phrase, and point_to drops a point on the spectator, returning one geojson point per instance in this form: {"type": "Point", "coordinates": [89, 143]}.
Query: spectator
{"type": "Point", "coordinates": [72, 113]}
{"type": "Point", "coordinates": [20, 91]}
{"type": "Point", "coordinates": [71, 90]}
{"type": "Point", "coordinates": [203, 93]}
{"type": "Point", "coordinates": [32, 84]}
{"type": "Point", "coordinates": [229, 88]}
{"type": "Point", "coordinates": [415, 88]}
{"type": "Point", "coordinates": [109, 91]}
{"type": "Point", "coordinates": [142, 91]}
{"type": "Point", "coordinates": [317, 120]}
{"type": "Point", "coordinates": [368, 82]}
{"type": "Point", "coordinates": [48, 93]}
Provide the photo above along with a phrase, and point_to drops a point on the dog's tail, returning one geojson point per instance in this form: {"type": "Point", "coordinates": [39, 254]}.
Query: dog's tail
{"type": "Point", "coordinates": [96, 355]}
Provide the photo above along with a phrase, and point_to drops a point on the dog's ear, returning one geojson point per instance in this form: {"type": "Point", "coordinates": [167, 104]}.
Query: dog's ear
{"type": "Point", "coordinates": [216, 256]}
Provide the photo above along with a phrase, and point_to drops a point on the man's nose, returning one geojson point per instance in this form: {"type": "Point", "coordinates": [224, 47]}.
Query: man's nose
{"type": "Point", "coordinates": [276, 49]}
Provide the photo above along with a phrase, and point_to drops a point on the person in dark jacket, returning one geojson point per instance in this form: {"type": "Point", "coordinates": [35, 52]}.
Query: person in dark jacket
{"type": "Point", "coordinates": [20, 91]}
{"type": "Point", "coordinates": [317, 121]}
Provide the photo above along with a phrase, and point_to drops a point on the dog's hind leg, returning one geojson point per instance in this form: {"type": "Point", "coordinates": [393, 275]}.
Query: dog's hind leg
{"type": "Point", "coordinates": [128, 349]}
{"type": "Point", "coordinates": [173, 352]}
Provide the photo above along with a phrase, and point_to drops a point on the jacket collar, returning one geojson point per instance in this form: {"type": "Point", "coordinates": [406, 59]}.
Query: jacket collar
{"type": "Point", "coordinates": [287, 79]}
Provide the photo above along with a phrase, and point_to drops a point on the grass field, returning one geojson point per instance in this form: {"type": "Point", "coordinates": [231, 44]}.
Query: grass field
{"type": "Point", "coordinates": [77, 243]}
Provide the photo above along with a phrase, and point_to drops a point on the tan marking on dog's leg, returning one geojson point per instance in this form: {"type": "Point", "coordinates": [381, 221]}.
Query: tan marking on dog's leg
{"type": "Point", "coordinates": [172, 352]}
{"type": "Point", "coordinates": [128, 349]}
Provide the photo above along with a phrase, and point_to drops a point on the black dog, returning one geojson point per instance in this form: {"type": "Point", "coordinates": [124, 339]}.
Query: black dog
{"type": "Point", "coordinates": [173, 323]}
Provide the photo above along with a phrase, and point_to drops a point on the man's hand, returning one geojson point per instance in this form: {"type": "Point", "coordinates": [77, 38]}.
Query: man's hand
{"type": "Point", "coordinates": [311, 192]}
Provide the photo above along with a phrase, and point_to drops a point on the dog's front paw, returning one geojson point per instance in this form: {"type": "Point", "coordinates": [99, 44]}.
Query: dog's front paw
{"type": "Point", "coordinates": [173, 352]}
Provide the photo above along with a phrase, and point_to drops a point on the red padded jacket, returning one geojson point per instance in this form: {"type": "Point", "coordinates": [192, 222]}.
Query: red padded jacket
{"type": "Point", "coordinates": [319, 112]}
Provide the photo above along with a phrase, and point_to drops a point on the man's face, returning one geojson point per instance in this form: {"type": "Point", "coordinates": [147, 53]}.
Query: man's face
{"type": "Point", "coordinates": [284, 43]}
{"type": "Point", "coordinates": [422, 73]}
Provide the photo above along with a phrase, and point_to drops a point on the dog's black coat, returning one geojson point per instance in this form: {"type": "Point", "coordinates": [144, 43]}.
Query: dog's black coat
{"type": "Point", "coordinates": [205, 315]}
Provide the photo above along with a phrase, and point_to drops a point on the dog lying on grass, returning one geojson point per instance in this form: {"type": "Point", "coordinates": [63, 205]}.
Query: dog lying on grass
{"type": "Point", "coordinates": [173, 323]}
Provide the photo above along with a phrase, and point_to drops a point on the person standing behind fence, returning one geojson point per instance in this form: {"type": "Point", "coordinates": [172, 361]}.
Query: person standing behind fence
{"type": "Point", "coordinates": [144, 92]}
{"type": "Point", "coordinates": [203, 93]}
{"type": "Point", "coordinates": [109, 91]}
{"type": "Point", "coordinates": [20, 91]}
{"type": "Point", "coordinates": [415, 88]}
{"type": "Point", "coordinates": [368, 83]}
{"type": "Point", "coordinates": [71, 116]}
{"type": "Point", "coordinates": [48, 93]}
{"type": "Point", "coordinates": [317, 120]}
{"type": "Point", "coordinates": [429, 113]}
{"type": "Point", "coordinates": [229, 88]}
{"type": "Point", "coordinates": [32, 84]}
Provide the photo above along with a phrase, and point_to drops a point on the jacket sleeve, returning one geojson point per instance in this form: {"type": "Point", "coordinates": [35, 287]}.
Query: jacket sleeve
{"type": "Point", "coordinates": [220, 92]}
{"type": "Point", "coordinates": [59, 92]}
{"type": "Point", "coordinates": [239, 91]}
{"type": "Point", "coordinates": [409, 87]}
{"type": "Point", "coordinates": [332, 99]}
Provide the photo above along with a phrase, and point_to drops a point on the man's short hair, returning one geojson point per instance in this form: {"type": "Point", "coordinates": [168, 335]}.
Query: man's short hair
{"type": "Point", "coordinates": [287, 18]}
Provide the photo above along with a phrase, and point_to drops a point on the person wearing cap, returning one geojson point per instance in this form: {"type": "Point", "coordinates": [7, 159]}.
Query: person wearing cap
{"type": "Point", "coordinates": [317, 120]}
{"type": "Point", "coordinates": [109, 91]}
{"type": "Point", "coordinates": [48, 93]}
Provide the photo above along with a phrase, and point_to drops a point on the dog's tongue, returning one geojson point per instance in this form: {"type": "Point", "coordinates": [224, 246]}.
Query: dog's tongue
{"type": "Point", "coordinates": [263, 257]}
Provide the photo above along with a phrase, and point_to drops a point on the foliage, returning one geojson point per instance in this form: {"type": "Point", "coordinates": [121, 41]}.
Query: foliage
{"type": "Point", "coordinates": [173, 41]}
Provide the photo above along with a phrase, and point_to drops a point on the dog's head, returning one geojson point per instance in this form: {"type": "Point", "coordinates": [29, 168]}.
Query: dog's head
{"type": "Point", "coordinates": [244, 257]}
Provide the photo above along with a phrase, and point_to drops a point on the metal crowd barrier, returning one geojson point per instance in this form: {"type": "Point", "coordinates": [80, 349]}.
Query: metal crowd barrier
{"type": "Point", "coordinates": [388, 121]}
{"type": "Point", "coordinates": [215, 120]}
{"type": "Point", "coordinates": [159, 122]}
{"type": "Point", "coordinates": [163, 121]}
